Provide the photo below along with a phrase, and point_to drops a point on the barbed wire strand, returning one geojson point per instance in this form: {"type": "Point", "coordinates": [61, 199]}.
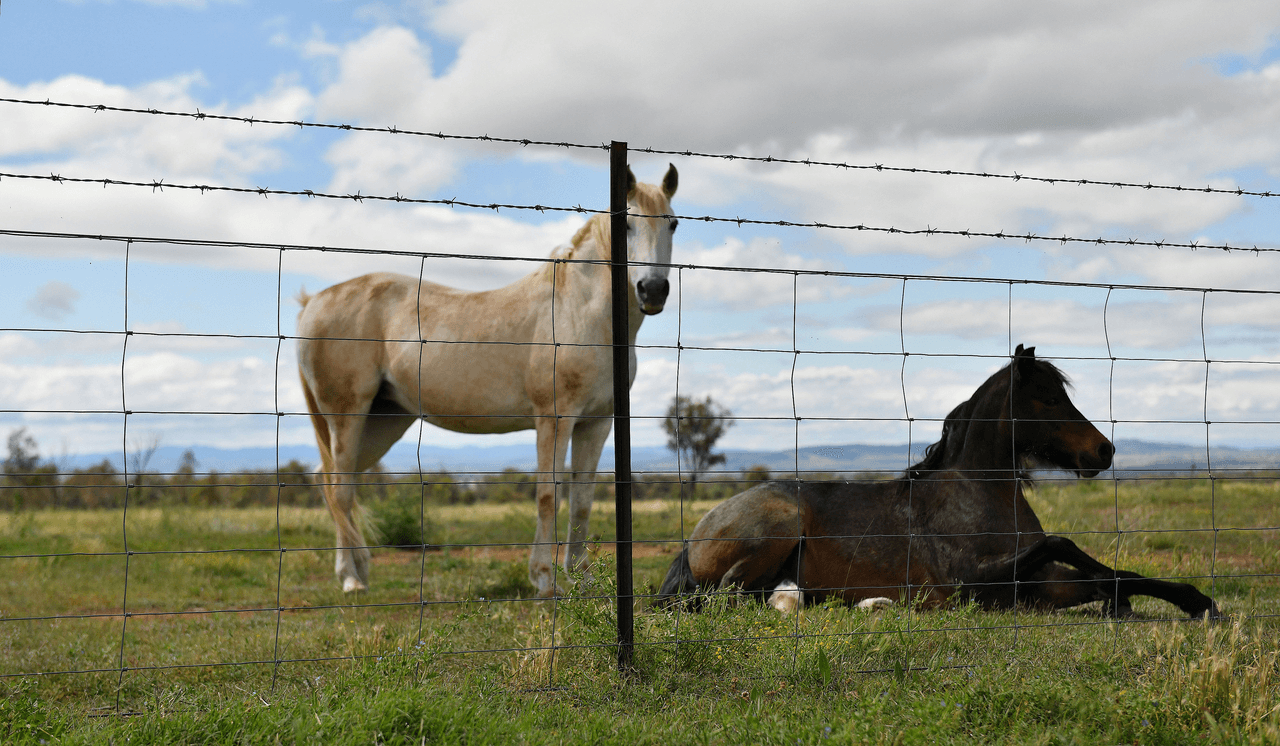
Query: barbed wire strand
{"type": "Point", "coordinates": [1015, 177]}
{"type": "Point", "coordinates": [1000, 235]}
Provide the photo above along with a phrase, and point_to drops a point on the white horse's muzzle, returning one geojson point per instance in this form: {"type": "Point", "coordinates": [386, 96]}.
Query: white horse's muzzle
{"type": "Point", "coordinates": [652, 294]}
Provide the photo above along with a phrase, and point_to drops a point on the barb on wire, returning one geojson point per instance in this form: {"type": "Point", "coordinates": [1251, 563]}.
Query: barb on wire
{"type": "Point", "coordinates": [1000, 235]}
{"type": "Point", "coordinates": [1014, 176]}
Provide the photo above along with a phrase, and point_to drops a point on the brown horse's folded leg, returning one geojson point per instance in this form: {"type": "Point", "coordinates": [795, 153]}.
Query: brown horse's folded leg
{"type": "Point", "coordinates": [1091, 581]}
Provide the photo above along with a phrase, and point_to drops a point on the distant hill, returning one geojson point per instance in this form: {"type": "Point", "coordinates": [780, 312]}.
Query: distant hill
{"type": "Point", "coordinates": [1131, 456]}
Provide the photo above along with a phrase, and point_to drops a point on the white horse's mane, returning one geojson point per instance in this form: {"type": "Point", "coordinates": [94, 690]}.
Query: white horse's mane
{"type": "Point", "coordinates": [650, 201]}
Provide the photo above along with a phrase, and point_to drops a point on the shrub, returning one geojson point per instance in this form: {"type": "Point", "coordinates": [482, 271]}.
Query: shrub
{"type": "Point", "coordinates": [401, 521]}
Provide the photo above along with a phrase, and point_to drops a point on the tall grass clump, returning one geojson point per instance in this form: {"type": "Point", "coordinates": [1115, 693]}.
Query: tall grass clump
{"type": "Point", "coordinates": [1230, 680]}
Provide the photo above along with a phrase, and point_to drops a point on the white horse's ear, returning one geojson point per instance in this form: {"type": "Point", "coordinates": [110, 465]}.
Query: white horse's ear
{"type": "Point", "coordinates": [670, 181]}
{"type": "Point", "coordinates": [631, 182]}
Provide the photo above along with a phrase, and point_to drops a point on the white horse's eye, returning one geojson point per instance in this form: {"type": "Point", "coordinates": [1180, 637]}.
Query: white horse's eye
{"type": "Point", "coordinates": [674, 223]}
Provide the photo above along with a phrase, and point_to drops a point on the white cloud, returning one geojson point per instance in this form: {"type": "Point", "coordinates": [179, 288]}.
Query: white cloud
{"type": "Point", "coordinates": [129, 147]}
{"type": "Point", "coordinates": [376, 164]}
{"type": "Point", "coordinates": [740, 290]}
{"type": "Point", "coordinates": [384, 76]}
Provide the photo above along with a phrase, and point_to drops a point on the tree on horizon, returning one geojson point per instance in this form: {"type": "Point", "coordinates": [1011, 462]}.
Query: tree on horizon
{"type": "Point", "coordinates": [693, 427]}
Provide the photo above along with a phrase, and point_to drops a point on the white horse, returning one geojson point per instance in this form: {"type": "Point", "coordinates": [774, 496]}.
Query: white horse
{"type": "Point", "coordinates": [377, 352]}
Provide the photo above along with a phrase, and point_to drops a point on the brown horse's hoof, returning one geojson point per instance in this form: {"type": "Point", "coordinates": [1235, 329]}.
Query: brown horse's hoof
{"type": "Point", "coordinates": [1211, 614]}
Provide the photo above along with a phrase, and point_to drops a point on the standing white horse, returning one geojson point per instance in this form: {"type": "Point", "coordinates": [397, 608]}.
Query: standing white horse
{"type": "Point", "coordinates": [377, 352]}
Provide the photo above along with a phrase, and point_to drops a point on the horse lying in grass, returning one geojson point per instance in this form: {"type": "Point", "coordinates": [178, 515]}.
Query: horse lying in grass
{"type": "Point", "coordinates": [380, 351]}
{"type": "Point", "coordinates": [955, 526]}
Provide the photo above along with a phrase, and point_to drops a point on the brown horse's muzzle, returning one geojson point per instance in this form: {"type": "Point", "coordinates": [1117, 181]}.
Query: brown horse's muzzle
{"type": "Point", "coordinates": [1095, 459]}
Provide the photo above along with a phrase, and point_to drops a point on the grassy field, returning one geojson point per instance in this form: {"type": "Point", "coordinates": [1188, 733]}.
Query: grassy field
{"type": "Point", "coordinates": [208, 658]}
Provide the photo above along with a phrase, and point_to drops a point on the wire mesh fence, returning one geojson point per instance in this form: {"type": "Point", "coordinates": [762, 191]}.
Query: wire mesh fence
{"type": "Point", "coordinates": [116, 567]}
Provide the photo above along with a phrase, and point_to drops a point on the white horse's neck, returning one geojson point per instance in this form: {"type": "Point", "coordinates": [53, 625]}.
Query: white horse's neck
{"type": "Point", "coordinates": [582, 275]}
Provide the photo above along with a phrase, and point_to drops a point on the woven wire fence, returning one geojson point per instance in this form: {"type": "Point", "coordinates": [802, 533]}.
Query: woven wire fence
{"type": "Point", "coordinates": [290, 607]}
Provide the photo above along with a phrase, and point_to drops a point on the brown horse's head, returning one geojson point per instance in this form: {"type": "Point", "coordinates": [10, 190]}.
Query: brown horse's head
{"type": "Point", "coordinates": [1020, 418]}
{"type": "Point", "coordinates": [1048, 430]}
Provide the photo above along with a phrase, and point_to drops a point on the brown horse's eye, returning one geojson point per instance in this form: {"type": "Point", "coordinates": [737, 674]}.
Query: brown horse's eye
{"type": "Point", "coordinates": [1052, 401]}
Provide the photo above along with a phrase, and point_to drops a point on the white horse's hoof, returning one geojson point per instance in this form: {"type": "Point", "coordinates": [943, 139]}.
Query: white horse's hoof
{"type": "Point", "coordinates": [351, 585]}
{"type": "Point", "coordinates": [875, 604]}
{"type": "Point", "coordinates": [787, 597]}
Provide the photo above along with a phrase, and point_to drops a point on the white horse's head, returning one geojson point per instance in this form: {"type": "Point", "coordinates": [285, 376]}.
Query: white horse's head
{"type": "Point", "coordinates": [649, 239]}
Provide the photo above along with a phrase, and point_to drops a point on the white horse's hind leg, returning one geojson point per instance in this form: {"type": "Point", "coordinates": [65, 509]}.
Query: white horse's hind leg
{"type": "Point", "coordinates": [787, 597]}
{"type": "Point", "coordinates": [553, 444]}
{"type": "Point", "coordinates": [351, 560]}
{"type": "Point", "coordinates": [588, 440]}
{"type": "Point", "coordinates": [877, 603]}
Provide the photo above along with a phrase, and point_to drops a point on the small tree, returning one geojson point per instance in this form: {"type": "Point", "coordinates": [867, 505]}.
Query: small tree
{"type": "Point", "coordinates": [24, 456]}
{"type": "Point", "coordinates": [693, 427]}
{"type": "Point", "coordinates": [22, 468]}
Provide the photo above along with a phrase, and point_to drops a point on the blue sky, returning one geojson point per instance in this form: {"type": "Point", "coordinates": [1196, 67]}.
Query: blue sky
{"type": "Point", "coordinates": [1169, 92]}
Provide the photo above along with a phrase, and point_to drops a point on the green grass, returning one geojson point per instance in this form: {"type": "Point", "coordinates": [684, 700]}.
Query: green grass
{"type": "Point", "coordinates": [383, 668]}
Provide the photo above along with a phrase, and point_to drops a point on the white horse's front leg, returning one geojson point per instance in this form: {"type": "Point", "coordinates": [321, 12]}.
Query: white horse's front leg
{"type": "Point", "coordinates": [553, 443]}
{"type": "Point", "coordinates": [351, 560]}
{"type": "Point", "coordinates": [588, 440]}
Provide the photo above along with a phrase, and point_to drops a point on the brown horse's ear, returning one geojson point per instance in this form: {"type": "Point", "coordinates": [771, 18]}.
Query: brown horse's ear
{"type": "Point", "coordinates": [631, 183]}
{"type": "Point", "coordinates": [670, 181]}
{"type": "Point", "coordinates": [1024, 360]}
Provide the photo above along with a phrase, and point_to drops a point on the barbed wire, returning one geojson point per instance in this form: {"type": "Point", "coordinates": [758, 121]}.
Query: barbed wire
{"type": "Point", "coordinates": [160, 185]}
{"type": "Point", "coordinates": [1028, 237]}
{"type": "Point", "coordinates": [685, 153]}
{"type": "Point", "coordinates": [391, 130]}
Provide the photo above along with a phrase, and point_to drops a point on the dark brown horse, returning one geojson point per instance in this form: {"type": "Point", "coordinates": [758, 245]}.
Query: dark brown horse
{"type": "Point", "coordinates": [956, 525]}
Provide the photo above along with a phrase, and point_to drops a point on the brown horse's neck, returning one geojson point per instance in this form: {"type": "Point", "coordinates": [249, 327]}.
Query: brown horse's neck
{"type": "Point", "coordinates": [988, 450]}
{"type": "Point", "coordinates": [978, 436]}
{"type": "Point", "coordinates": [987, 454]}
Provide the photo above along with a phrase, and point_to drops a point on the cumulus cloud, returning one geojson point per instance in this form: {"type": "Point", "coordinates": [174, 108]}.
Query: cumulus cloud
{"type": "Point", "coordinates": [737, 289]}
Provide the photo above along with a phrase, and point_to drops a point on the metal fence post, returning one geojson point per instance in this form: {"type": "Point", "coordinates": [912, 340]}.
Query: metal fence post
{"type": "Point", "coordinates": [618, 173]}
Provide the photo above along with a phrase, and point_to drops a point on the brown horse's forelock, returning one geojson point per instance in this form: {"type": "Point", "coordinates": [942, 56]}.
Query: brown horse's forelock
{"type": "Point", "coordinates": [954, 427]}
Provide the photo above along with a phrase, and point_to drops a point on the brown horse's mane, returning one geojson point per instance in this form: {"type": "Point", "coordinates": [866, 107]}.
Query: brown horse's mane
{"type": "Point", "coordinates": [955, 426]}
